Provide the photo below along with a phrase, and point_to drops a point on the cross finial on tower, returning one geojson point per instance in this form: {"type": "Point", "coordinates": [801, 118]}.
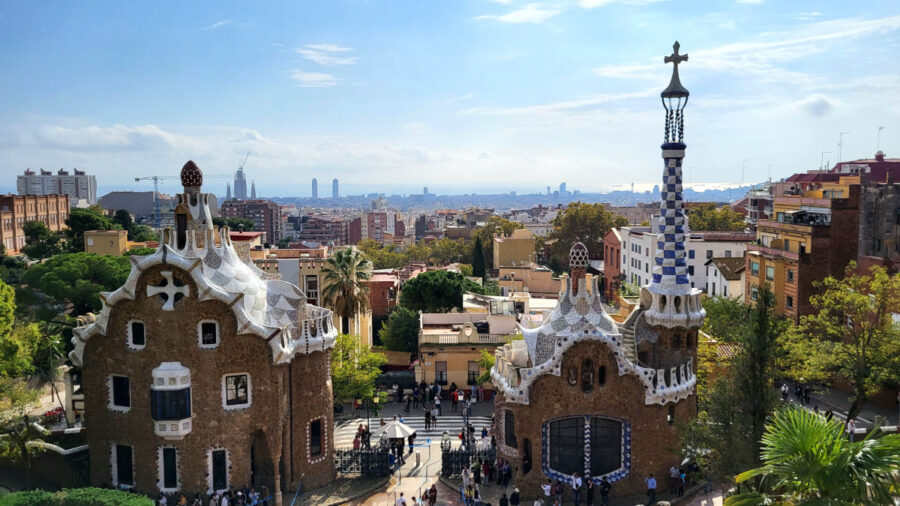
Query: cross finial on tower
{"type": "Point", "coordinates": [675, 88]}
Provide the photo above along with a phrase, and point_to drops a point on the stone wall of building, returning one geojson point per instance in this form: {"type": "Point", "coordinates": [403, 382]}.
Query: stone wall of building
{"type": "Point", "coordinates": [621, 397]}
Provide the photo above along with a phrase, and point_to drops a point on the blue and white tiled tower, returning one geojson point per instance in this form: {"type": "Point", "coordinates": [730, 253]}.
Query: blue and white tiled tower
{"type": "Point", "coordinates": [669, 300]}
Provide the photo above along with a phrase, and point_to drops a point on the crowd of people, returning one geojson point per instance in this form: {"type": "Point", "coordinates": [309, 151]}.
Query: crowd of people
{"type": "Point", "coordinates": [243, 497]}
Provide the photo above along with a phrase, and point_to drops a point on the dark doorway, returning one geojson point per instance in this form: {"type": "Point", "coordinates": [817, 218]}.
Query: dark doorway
{"type": "Point", "coordinates": [262, 469]}
{"type": "Point", "coordinates": [526, 456]}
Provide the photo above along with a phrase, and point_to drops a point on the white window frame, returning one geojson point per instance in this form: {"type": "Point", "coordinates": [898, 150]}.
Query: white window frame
{"type": "Point", "coordinates": [200, 335]}
{"type": "Point", "coordinates": [129, 342]}
{"type": "Point", "coordinates": [235, 407]}
{"type": "Point", "coordinates": [160, 463]}
{"type": "Point", "coordinates": [209, 470]}
{"type": "Point", "coordinates": [315, 459]}
{"type": "Point", "coordinates": [111, 401]}
{"type": "Point", "coordinates": [114, 465]}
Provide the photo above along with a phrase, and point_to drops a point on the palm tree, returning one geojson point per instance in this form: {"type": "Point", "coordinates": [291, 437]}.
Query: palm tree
{"type": "Point", "coordinates": [808, 460]}
{"type": "Point", "coordinates": [344, 291]}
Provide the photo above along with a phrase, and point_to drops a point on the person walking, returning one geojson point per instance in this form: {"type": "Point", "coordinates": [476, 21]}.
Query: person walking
{"type": "Point", "coordinates": [589, 493]}
{"type": "Point", "coordinates": [432, 495]}
{"type": "Point", "coordinates": [784, 392]}
{"type": "Point", "coordinates": [401, 501]}
{"type": "Point", "coordinates": [547, 488]}
{"type": "Point", "coordinates": [651, 489]}
{"type": "Point", "coordinates": [437, 404]}
{"type": "Point", "coordinates": [576, 488]}
{"type": "Point", "coordinates": [851, 429]}
{"type": "Point", "coordinates": [504, 501]}
{"type": "Point", "coordinates": [605, 487]}
{"type": "Point", "coordinates": [427, 420]}
{"type": "Point", "coordinates": [558, 490]}
{"type": "Point", "coordinates": [434, 415]}
{"type": "Point", "coordinates": [514, 498]}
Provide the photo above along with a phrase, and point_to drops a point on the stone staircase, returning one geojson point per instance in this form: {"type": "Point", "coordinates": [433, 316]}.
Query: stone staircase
{"type": "Point", "coordinates": [627, 329]}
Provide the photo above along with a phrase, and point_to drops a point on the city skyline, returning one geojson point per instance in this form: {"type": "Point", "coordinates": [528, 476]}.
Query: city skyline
{"type": "Point", "coordinates": [477, 96]}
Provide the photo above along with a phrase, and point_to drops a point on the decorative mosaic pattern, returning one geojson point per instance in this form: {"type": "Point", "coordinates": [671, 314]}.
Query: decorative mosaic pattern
{"type": "Point", "coordinates": [612, 476]}
{"type": "Point", "coordinates": [323, 423]}
{"type": "Point", "coordinates": [671, 263]}
{"type": "Point", "coordinates": [273, 309]}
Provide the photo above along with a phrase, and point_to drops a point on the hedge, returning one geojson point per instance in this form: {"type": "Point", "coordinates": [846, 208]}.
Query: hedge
{"type": "Point", "coordinates": [75, 497]}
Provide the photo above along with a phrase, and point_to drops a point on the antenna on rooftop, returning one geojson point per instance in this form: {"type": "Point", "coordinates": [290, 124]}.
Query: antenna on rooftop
{"type": "Point", "coordinates": [878, 139]}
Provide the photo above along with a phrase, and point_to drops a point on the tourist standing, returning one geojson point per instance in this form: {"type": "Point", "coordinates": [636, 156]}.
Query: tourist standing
{"type": "Point", "coordinates": [605, 487]}
{"type": "Point", "coordinates": [432, 495]}
{"type": "Point", "coordinates": [401, 501]}
{"type": "Point", "coordinates": [547, 488]}
{"type": "Point", "coordinates": [514, 498]}
{"type": "Point", "coordinates": [437, 404]}
{"type": "Point", "coordinates": [576, 488]}
{"type": "Point", "coordinates": [504, 501]}
{"type": "Point", "coordinates": [851, 429]}
{"type": "Point", "coordinates": [651, 489]}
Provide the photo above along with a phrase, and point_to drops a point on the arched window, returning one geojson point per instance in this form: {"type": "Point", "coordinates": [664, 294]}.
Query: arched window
{"type": "Point", "coordinates": [587, 375]}
{"type": "Point", "coordinates": [509, 429]}
{"type": "Point", "coordinates": [585, 445]}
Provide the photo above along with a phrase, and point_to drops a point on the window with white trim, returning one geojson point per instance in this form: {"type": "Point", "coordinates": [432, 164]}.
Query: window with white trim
{"type": "Point", "coordinates": [208, 334]}
{"type": "Point", "coordinates": [137, 337]}
{"type": "Point", "coordinates": [167, 458]}
{"type": "Point", "coordinates": [236, 391]}
{"type": "Point", "coordinates": [218, 470]}
{"type": "Point", "coordinates": [123, 465]}
{"type": "Point", "coordinates": [119, 393]}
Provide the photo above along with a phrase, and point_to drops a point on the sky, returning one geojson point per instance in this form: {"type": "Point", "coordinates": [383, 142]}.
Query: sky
{"type": "Point", "coordinates": [461, 96]}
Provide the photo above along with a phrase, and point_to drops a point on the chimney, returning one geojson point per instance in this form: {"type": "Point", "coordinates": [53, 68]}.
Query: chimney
{"type": "Point", "coordinates": [879, 156]}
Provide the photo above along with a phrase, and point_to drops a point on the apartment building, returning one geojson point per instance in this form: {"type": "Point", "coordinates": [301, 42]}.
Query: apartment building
{"type": "Point", "coordinates": [79, 187]}
{"type": "Point", "coordinates": [815, 234]}
{"type": "Point", "coordinates": [16, 210]}
{"type": "Point", "coordinates": [639, 246]}
{"type": "Point", "coordinates": [265, 214]}
{"type": "Point", "coordinates": [514, 249]}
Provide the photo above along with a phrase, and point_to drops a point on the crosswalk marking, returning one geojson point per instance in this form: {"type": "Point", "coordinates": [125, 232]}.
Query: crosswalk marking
{"type": "Point", "coordinates": [345, 430]}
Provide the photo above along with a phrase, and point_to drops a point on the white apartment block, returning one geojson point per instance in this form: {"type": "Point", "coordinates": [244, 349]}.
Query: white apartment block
{"type": "Point", "coordinates": [639, 248]}
{"type": "Point", "coordinates": [80, 187]}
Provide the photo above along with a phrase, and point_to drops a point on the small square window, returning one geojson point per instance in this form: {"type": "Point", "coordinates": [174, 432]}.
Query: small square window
{"type": "Point", "coordinates": [690, 253]}
{"type": "Point", "coordinates": [754, 268]}
{"type": "Point", "coordinates": [208, 334]}
{"type": "Point", "coordinates": [709, 254]}
{"type": "Point", "coordinates": [790, 275]}
{"type": "Point", "coordinates": [754, 293]}
{"type": "Point", "coordinates": [770, 273]}
{"type": "Point", "coordinates": [236, 391]}
{"type": "Point", "coordinates": [789, 302]}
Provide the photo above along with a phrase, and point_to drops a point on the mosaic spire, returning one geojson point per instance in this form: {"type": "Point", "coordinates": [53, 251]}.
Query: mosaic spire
{"type": "Point", "coordinates": [669, 299]}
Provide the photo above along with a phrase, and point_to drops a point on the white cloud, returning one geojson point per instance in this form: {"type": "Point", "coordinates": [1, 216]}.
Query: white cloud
{"type": "Point", "coordinates": [324, 58]}
{"type": "Point", "coordinates": [591, 4]}
{"type": "Point", "coordinates": [808, 16]}
{"type": "Point", "coordinates": [580, 104]}
{"type": "Point", "coordinates": [114, 138]}
{"type": "Point", "coordinates": [314, 79]}
{"type": "Point", "coordinates": [220, 24]}
{"type": "Point", "coordinates": [330, 48]}
{"type": "Point", "coordinates": [529, 13]}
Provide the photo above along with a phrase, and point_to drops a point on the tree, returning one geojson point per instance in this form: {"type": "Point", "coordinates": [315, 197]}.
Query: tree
{"type": "Point", "coordinates": [401, 331]}
{"type": "Point", "coordinates": [712, 217]}
{"type": "Point", "coordinates": [436, 291]}
{"type": "Point", "coordinates": [345, 292]}
{"type": "Point", "coordinates": [354, 368]}
{"type": "Point", "coordinates": [234, 223]}
{"type": "Point", "coordinates": [852, 335]}
{"type": "Point", "coordinates": [726, 433]}
{"type": "Point", "coordinates": [584, 223]}
{"type": "Point", "coordinates": [81, 220]}
{"type": "Point", "coordinates": [807, 460]}
{"type": "Point", "coordinates": [724, 315]}
{"type": "Point", "coordinates": [478, 259]}
{"type": "Point", "coordinates": [79, 278]}
{"type": "Point", "coordinates": [124, 219]}
{"type": "Point", "coordinates": [381, 256]}
{"type": "Point", "coordinates": [40, 241]}
{"type": "Point", "coordinates": [142, 251]}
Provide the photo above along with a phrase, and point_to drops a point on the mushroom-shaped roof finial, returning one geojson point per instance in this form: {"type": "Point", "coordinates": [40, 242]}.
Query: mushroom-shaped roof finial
{"type": "Point", "coordinates": [191, 175]}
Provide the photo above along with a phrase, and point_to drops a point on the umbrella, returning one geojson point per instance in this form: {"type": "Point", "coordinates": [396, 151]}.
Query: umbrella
{"type": "Point", "coordinates": [395, 430]}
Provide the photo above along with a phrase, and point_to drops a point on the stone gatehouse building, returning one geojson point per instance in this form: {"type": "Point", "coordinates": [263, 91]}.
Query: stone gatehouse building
{"type": "Point", "coordinates": [585, 394]}
{"type": "Point", "coordinates": [202, 372]}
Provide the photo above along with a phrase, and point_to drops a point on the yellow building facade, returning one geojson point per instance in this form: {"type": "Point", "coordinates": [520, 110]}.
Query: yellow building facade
{"type": "Point", "coordinates": [515, 249]}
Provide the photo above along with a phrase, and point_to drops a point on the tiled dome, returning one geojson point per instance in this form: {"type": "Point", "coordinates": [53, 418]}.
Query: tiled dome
{"type": "Point", "coordinates": [191, 175]}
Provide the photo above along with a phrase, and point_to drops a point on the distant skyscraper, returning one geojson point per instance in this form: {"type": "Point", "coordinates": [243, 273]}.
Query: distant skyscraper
{"type": "Point", "coordinates": [562, 188]}
{"type": "Point", "coordinates": [315, 188]}
{"type": "Point", "coordinates": [227, 191]}
{"type": "Point", "coordinates": [240, 185]}
{"type": "Point", "coordinates": [425, 191]}
{"type": "Point", "coordinates": [253, 190]}
{"type": "Point", "coordinates": [335, 193]}
{"type": "Point", "coordinates": [548, 190]}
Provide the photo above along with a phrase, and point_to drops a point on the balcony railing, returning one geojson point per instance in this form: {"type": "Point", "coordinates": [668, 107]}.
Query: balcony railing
{"type": "Point", "coordinates": [774, 252]}
{"type": "Point", "coordinates": [459, 338]}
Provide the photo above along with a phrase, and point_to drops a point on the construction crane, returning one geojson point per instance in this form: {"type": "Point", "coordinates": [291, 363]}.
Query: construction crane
{"type": "Point", "coordinates": [241, 166]}
{"type": "Point", "coordinates": [156, 180]}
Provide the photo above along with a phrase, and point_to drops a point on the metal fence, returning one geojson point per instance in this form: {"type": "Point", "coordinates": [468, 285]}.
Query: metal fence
{"type": "Point", "coordinates": [454, 460]}
{"type": "Point", "coordinates": [373, 462]}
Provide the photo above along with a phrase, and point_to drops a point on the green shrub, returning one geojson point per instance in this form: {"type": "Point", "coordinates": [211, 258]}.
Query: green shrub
{"type": "Point", "coordinates": [75, 497]}
{"type": "Point", "coordinates": [29, 498]}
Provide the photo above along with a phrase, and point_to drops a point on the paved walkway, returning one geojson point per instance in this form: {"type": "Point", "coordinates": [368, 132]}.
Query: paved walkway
{"type": "Point", "coordinates": [839, 403]}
